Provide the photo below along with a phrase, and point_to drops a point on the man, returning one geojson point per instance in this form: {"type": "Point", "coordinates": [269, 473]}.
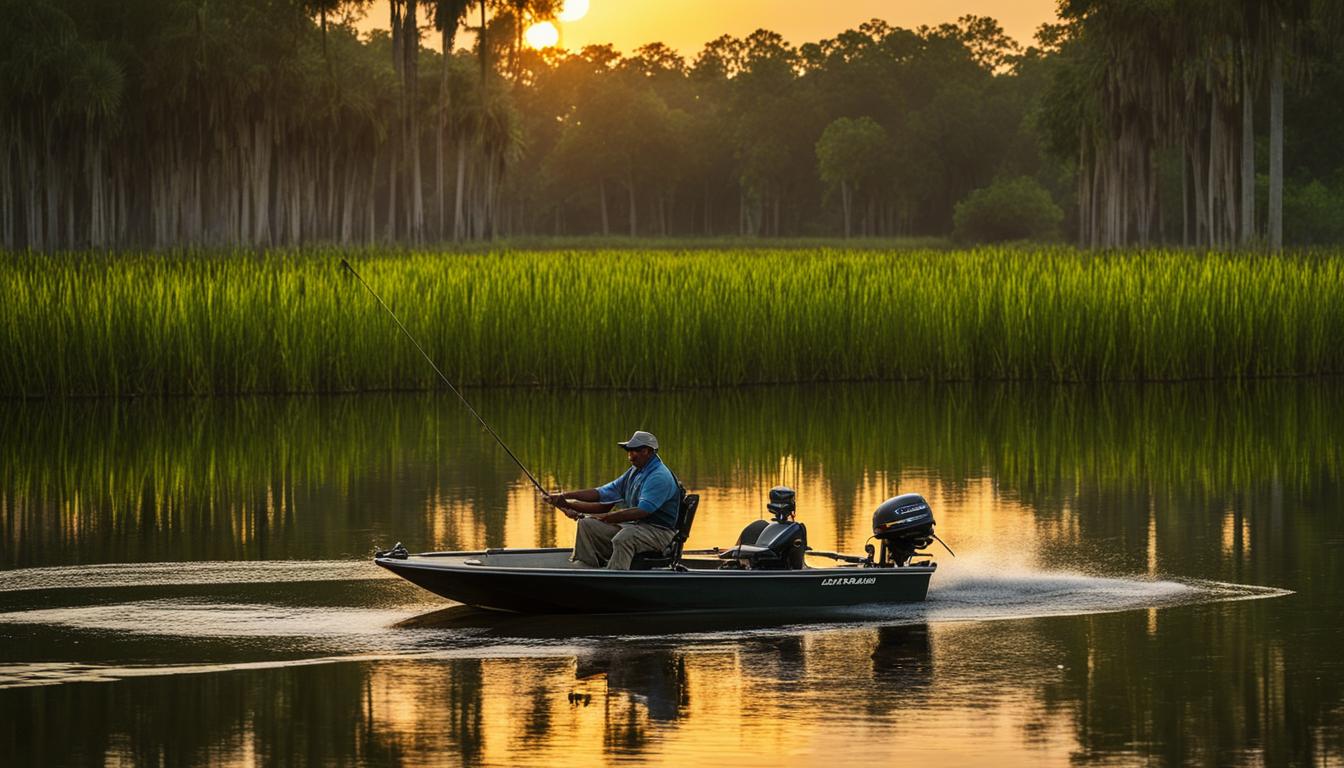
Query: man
{"type": "Point", "coordinates": [636, 512]}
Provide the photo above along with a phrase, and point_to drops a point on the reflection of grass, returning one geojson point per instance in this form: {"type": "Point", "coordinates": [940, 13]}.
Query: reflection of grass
{"type": "Point", "coordinates": [224, 479]}
{"type": "Point", "coordinates": [292, 322]}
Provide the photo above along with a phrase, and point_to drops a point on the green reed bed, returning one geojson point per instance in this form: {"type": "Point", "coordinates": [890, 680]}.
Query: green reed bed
{"type": "Point", "coordinates": [207, 323]}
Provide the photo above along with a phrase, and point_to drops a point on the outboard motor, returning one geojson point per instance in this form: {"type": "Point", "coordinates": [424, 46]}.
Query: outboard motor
{"type": "Point", "coordinates": [904, 525]}
{"type": "Point", "coordinates": [779, 544]}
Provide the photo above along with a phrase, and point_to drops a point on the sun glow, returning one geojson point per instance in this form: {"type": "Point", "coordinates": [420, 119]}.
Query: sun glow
{"type": "Point", "coordinates": [573, 10]}
{"type": "Point", "coordinates": [543, 34]}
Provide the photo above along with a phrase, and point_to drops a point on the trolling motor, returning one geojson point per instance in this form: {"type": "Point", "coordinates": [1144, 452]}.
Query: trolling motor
{"type": "Point", "coordinates": [777, 544]}
{"type": "Point", "coordinates": [904, 525]}
{"type": "Point", "coordinates": [398, 552]}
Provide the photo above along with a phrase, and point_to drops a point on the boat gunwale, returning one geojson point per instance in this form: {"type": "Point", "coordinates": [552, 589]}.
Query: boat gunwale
{"type": "Point", "coordinates": [392, 563]}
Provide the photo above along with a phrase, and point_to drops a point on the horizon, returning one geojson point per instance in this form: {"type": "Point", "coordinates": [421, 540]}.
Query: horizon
{"type": "Point", "coordinates": [686, 25]}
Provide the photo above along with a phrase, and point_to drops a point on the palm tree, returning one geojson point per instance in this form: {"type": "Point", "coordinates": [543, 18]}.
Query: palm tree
{"type": "Point", "coordinates": [448, 17]}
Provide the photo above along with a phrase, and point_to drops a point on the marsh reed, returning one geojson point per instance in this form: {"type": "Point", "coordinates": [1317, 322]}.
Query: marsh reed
{"type": "Point", "coordinates": [291, 321]}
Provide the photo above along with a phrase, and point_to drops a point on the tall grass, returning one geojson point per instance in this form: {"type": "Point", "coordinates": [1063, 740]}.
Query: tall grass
{"type": "Point", "coordinates": [206, 323]}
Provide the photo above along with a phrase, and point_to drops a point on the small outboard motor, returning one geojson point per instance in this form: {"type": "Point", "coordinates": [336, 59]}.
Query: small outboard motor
{"type": "Point", "coordinates": [783, 503]}
{"type": "Point", "coordinates": [904, 525]}
{"type": "Point", "coordinates": [779, 544]}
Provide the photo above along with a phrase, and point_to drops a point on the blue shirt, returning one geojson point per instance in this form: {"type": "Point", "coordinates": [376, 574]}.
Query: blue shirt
{"type": "Point", "coordinates": [652, 489]}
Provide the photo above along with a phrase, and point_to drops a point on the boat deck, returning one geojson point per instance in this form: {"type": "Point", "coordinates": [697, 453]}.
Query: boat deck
{"type": "Point", "coordinates": [558, 559]}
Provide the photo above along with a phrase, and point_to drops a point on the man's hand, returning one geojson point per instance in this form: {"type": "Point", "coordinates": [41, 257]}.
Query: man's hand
{"type": "Point", "coordinates": [561, 503]}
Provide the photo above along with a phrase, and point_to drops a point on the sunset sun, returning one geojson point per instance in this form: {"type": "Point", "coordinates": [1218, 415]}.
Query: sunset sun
{"type": "Point", "coordinates": [543, 34]}
{"type": "Point", "coordinates": [573, 10]}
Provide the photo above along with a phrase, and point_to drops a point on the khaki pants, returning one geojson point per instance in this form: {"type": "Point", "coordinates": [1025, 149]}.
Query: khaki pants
{"type": "Point", "coordinates": [599, 542]}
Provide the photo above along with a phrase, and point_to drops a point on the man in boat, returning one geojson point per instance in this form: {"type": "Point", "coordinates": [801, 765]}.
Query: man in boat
{"type": "Point", "coordinates": [636, 512]}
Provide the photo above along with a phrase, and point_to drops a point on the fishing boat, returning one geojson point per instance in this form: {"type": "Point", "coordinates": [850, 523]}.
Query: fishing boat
{"type": "Point", "coordinates": [769, 568]}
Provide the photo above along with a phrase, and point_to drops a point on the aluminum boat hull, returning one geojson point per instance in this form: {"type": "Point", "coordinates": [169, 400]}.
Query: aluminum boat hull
{"type": "Point", "coordinates": [544, 581]}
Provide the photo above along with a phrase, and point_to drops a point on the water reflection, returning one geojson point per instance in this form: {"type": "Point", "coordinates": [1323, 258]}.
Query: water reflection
{"type": "Point", "coordinates": [323, 478]}
{"type": "Point", "coordinates": [1237, 484]}
{"type": "Point", "coordinates": [903, 659]}
{"type": "Point", "coordinates": [1017, 693]}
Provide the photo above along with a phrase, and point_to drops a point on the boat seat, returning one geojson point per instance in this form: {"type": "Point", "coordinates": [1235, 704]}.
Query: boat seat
{"type": "Point", "coordinates": [671, 554]}
{"type": "Point", "coordinates": [742, 550]}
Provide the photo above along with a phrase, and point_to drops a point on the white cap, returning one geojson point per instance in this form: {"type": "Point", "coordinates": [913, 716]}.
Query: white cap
{"type": "Point", "coordinates": [640, 439]}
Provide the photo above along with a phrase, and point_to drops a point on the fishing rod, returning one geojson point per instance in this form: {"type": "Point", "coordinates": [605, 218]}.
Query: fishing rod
{"type": "Point", "coordinates": [429, 360]}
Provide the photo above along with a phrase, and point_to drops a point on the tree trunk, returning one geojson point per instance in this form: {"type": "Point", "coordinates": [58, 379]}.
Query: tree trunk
{"type": "Point", "coordinates": [602, 193]}
{"type": "Point", "coordinates": [1275, 224]}
{"type": "Point", "coordinates": [1084, 192]}
{"type": "Point", "coordinates": [1215, 139]}
{"type": "Point", "coordinates": [1202, 229]}
{"type": "Point", "coordinates": [1185, 197]}
{"type": "Point", "coordinates": [410, 41]}
{"type": "Point", "coordinates": [459, 226]}
{"type": "Point", "coordinates": [7, 212]}
{"type": "Point", "coordinates": [440, 137]}
{"type": "Point", "coordinates": [1247, 158]}
{"type": "Point", "coordinates": [845, 204]}
{"type": "Point", "coordinates": [630, 188]}
{"type": "Point", "coordinates": [481, 46]}
{"type": "Point", "coordinates": [709, 226]}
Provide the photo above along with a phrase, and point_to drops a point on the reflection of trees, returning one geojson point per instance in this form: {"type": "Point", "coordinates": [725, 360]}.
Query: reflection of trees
{"type": "Point", "coordinates": [303, 716]}
{"type": "Point", "coordinates": [322, 477]}
{"type": "Point", "coordinates": [1213, 686]}
{"type": "Point", "coordinates": [1235, 483]}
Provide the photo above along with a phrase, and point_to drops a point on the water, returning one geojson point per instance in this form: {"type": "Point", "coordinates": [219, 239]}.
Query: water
{"type": "Point", "coordinates": [1146, 575]}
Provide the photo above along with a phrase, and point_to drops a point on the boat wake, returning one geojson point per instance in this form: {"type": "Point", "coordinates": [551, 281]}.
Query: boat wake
{"type": "Point", "coordinates": [999, 594]}
{"type": "Point", "coordinates": [187, 573]}
{"type": "Point", "coordinates": [211, 613]}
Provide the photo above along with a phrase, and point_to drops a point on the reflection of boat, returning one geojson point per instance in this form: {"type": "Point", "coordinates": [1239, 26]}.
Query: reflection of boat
{"type": "Point", "coordinates": [903, 658]}
{"type": "Point", "coordinates": [766, 570]}
{"type": "Point", "coordinates": [481, 623]}
{"type": "Point", "coordinates": [655, 676]}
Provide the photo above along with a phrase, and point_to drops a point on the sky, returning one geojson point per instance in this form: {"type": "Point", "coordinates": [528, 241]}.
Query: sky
{"type": "Point", "coordinates": [688, 24]}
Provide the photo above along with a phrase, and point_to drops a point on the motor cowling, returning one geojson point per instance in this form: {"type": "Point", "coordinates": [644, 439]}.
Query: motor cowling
{"type": "Point", "coordinates": [904, 525]}
{"type": "Point", "coordinates": [783, 503]}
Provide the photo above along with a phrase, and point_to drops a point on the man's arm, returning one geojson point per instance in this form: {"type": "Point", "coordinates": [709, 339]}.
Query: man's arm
{"type": "Point", "coordinates": [623, 515]}
{"type": "Point", "coordinates": [585, 502]}
{"type": "Point", "coordinates": [555, 499]}
{"type": "Point", "coordinates": [590, 508]}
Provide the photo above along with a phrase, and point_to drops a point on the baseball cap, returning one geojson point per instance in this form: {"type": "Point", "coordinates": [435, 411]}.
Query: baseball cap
{"type": "Point", "coordinates": [640, 439]}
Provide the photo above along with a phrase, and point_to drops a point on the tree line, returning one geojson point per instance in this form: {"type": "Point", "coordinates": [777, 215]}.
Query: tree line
{"type": "Point", "coordinates": [1147, 88]}
{"type": "Point", "coordinates": [273, 122]}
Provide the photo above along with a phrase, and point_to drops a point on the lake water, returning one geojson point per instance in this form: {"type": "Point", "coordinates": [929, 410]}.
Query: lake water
{"type": "Point", "coordinates": [1145, 575]}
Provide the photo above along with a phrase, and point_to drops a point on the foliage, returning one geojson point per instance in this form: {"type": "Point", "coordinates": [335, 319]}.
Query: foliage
{"type": "Point", "coordinates": [850, 158]}
{"type": "Point", "coordinates": [256, 123]}
{"type": "Point", "coordinates": [230, 322]}
{"type": "Point", "coordinates": [1314, 212]}
{"type": "Point", "coordinates": [264, 123]}
{"type": "Point", "coordinates": [1008, 209]}
{"type": "Point", "coordinates": [1139, 77]}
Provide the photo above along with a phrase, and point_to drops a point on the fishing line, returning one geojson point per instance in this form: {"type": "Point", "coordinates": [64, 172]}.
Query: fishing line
{"type": "Point", "coordinates": [430, 360]}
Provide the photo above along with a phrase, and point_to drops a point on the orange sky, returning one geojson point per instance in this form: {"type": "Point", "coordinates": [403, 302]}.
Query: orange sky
{"type": "Point", "coordinates": [688, 24]}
